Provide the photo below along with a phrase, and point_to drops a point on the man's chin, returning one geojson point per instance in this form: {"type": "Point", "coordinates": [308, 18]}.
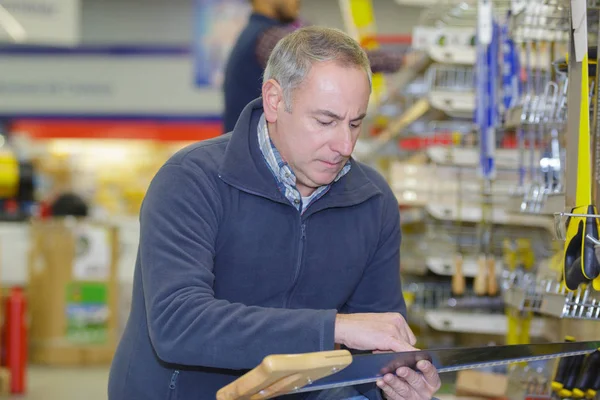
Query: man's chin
{"type": "Point", "coordinates": [324, 179]}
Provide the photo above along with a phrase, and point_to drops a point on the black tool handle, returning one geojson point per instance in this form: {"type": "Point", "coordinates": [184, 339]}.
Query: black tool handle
{"type": "Point", "coordinates": [564, 365]}
{"type": "Point", "coordinates": [595, 386]}
{"type": "Point", "coordinates": [588, 374]}
{"type": "Point", "coordinates": [570, 382]}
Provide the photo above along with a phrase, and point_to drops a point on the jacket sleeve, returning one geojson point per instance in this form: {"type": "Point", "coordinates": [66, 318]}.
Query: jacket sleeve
{"type": "Point", "coordinates": [380, 289]}
{"type": "Point", "coordinates": [187, 324]}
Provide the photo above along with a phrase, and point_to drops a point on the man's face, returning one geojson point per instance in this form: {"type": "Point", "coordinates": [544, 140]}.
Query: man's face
{"type": "Point", "coordinates": [318, 137]}
{"type": "Point", "coordinates": [287, 11]}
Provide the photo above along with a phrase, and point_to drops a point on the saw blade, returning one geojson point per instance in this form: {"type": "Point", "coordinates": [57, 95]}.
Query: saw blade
{"type": "Point", "coordinates": [367, 368]}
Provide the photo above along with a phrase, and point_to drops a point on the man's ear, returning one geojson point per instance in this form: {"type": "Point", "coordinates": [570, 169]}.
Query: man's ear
{"type": "Point", "coordinates": [272, 96]}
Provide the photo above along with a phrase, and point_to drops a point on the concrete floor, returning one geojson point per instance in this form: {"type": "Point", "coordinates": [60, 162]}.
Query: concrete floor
{"type": "Point", "coordinates": [46, 383]}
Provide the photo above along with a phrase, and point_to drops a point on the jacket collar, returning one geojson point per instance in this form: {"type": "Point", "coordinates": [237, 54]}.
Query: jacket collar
{"type": "Point", "coordinates": [243, 167]}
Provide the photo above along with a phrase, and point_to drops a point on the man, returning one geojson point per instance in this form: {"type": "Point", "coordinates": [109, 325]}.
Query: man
{"type": "Point", "coordinates": [269, 21]}
{"type": "Point", "coordinates": [271, 240]}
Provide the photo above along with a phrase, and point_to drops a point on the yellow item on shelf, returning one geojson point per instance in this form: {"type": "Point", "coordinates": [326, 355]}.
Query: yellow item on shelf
{"type": "Point", "coordinates": [575, 258]}
{"type": "Point", "coordinates": [409, 298]}
{"type": "Point", "coordinates": [518, 254]}
{"type": "Point", "coordinates": [9, 174]}
{"type": "Point", "coordinates": [360, 22]}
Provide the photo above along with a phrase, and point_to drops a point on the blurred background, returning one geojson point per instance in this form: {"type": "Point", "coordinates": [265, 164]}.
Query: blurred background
{"type": "Point", "coordinates": [472, 132]}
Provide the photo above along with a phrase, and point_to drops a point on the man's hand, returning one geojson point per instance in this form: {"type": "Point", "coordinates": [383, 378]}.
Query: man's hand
{"type": "Point", "coordinates": [378, 332]}
{"type": "Point", "coordinates": [411, 385]}
{"type": "Point", "coordinates": [389, 332]}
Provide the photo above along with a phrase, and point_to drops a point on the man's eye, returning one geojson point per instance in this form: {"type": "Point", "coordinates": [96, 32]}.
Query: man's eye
{"type": "Point", "coordinates": [325, 123]}
{"type": "Point", "coordinates": [355, 125]}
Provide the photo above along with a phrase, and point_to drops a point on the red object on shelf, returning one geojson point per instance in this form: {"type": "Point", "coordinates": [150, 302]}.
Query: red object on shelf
{"type": "Point", "coordinates": [419, 143]}
{"type": "Point", "coordinates": [11, 206]}
{"type": "Point", "coordinates": [16, 339]}
{"type": "Point", "coordinates": [145, 130]}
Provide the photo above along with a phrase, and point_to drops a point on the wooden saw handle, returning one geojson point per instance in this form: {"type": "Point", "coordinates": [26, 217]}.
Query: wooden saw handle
{"type": "Point", "coordinates": [480, 283]}
{"type": "Point", "coordinates": [458, 279]}
{"type": "Point", "coordinates": [280, 374]}
{"type": "Point", "coordinates": [492, 279]}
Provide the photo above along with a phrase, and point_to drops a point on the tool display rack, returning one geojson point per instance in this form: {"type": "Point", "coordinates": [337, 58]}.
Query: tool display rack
{"type": "Point", "coordinates": [433, 100]}
{"type": "Point", "coordinates": [544, 292]}
{"type": "Point", "coordinates": [442, 88]}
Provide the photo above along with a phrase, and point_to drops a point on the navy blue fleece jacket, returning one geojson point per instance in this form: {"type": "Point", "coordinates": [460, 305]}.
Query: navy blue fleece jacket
{"type": "Point", "coordinates": [228, 271]}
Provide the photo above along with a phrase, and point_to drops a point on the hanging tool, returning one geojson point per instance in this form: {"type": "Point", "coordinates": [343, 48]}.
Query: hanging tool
{"type": "Point", "coordinates": [526, 260]}
{"type": "Point", "coordinates": [458, 278]}
{"type": "Point", "coordinates": [572, 373]}
{"type": "Point", "coordinates": [486, 119]}
{"type": "Point", "coordinates": [595, 56]}
{"type": "Point", "coordinates": [511, 86]}
{"type": "Point", "coordinates": [510, 261]}
{"type": "Point", "coordinates": [594, 371]}
{"type": "Point", "coordinates": [553, 178]}
{"type": "Point", "coordinates": [580, 264]}
{"type": "Point", "coordinates": [298, 373]}
{"type": "Point", "coordinates": [564, 364]}
{"type": "Point", "coordinates": [590, 370]}
{"type": "Point", "coordinates": [531, 106]}
{"type": "Point", "coordinates": [518, 256]}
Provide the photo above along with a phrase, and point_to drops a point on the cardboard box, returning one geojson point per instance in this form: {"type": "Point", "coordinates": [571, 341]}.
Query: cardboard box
{"type": "Point", "coordinates": [481, 384]}
{"type": "Point", "coordinates": [73, 292]}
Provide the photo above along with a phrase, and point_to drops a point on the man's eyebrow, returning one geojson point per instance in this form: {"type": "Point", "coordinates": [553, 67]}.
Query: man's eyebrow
{"type": "Point", "coordinates": [360, 117]}
{"type": "Point", "coordinates": [333, 115]}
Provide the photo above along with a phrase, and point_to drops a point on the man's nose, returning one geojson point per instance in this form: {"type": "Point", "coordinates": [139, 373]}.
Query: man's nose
{"type": "Point", "coordinates": [343, 143]}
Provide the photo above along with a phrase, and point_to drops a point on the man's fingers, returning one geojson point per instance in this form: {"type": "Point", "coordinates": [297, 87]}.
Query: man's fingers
{"type": "Point", "coordinates": [387, 390]}
{"type": "Point", "coordinates": [429, 373]}
{"type": "Point", "coordinates": [413, 378]}
{"type": "Point", "coordinates": [395, 388]}
{"type": "Point", "coordinates": [397, 345]}
{"type": "Point", "coordinates": [404, 330]}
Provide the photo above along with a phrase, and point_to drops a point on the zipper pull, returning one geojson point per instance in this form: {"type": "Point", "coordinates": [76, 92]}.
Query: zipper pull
{"type": "Point", "coordinates": [173, 380]}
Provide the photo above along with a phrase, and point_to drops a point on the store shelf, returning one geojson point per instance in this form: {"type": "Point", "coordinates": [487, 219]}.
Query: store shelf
{"type": "Point", "coordinates": [551, 300]}
{"type": "Point", "coordinates": [505, 159]}
{"type": "Point", "coordinates": [548, 204]}
{"type": "Point", "coordinates": [444, 266]}
{"type": "Point", "coordinates": [476, 323]}
{"type": "Point", "coordinates": [453, 104]}
{"type": "Point", "coordinates": [499, 216]}
{"type": "Point", "coordinates": [459, 55]}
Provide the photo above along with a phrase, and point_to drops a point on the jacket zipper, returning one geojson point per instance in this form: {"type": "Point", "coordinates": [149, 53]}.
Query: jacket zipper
{"type": "Point", "coordinates": [298, 261]}
{"type": "Point", "coordinates": [174, 377]}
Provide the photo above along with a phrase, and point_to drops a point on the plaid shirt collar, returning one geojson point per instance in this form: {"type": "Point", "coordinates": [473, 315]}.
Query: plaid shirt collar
{"type": "Point", "coordinates": [284, 176]}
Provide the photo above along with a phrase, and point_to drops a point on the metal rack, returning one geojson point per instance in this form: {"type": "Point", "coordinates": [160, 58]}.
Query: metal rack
{"type": "Point", "coordinates": [549, 297]}
{"type": "Point", "coordinates": [541, 29]}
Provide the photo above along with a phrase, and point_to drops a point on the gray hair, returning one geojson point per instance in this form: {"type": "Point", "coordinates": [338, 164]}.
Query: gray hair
{"type": "Point", "coordinates": [293, 56]}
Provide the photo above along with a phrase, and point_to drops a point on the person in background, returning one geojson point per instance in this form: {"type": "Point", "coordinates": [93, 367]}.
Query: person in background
{"type": "Point", "coordinates": [270, 21]}
{"type": "Point", "coordinates": [271, 240]}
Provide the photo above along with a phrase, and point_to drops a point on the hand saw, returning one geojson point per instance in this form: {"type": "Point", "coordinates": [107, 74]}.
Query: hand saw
{"type": "Point", "coordinates": [580, 264]}
{"type": "Point", "coordinates": [285, 374]}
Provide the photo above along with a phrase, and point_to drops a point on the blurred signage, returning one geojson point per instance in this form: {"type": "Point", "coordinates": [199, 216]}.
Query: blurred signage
{"type": "Point", "coordinates": [40, 22]}
{"type": "Point", "coordinates": [103, 81]}
{"type": "Point", "coordinates": [217, 26]}
{"type": "Point", "coordinates": [418, 3]}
